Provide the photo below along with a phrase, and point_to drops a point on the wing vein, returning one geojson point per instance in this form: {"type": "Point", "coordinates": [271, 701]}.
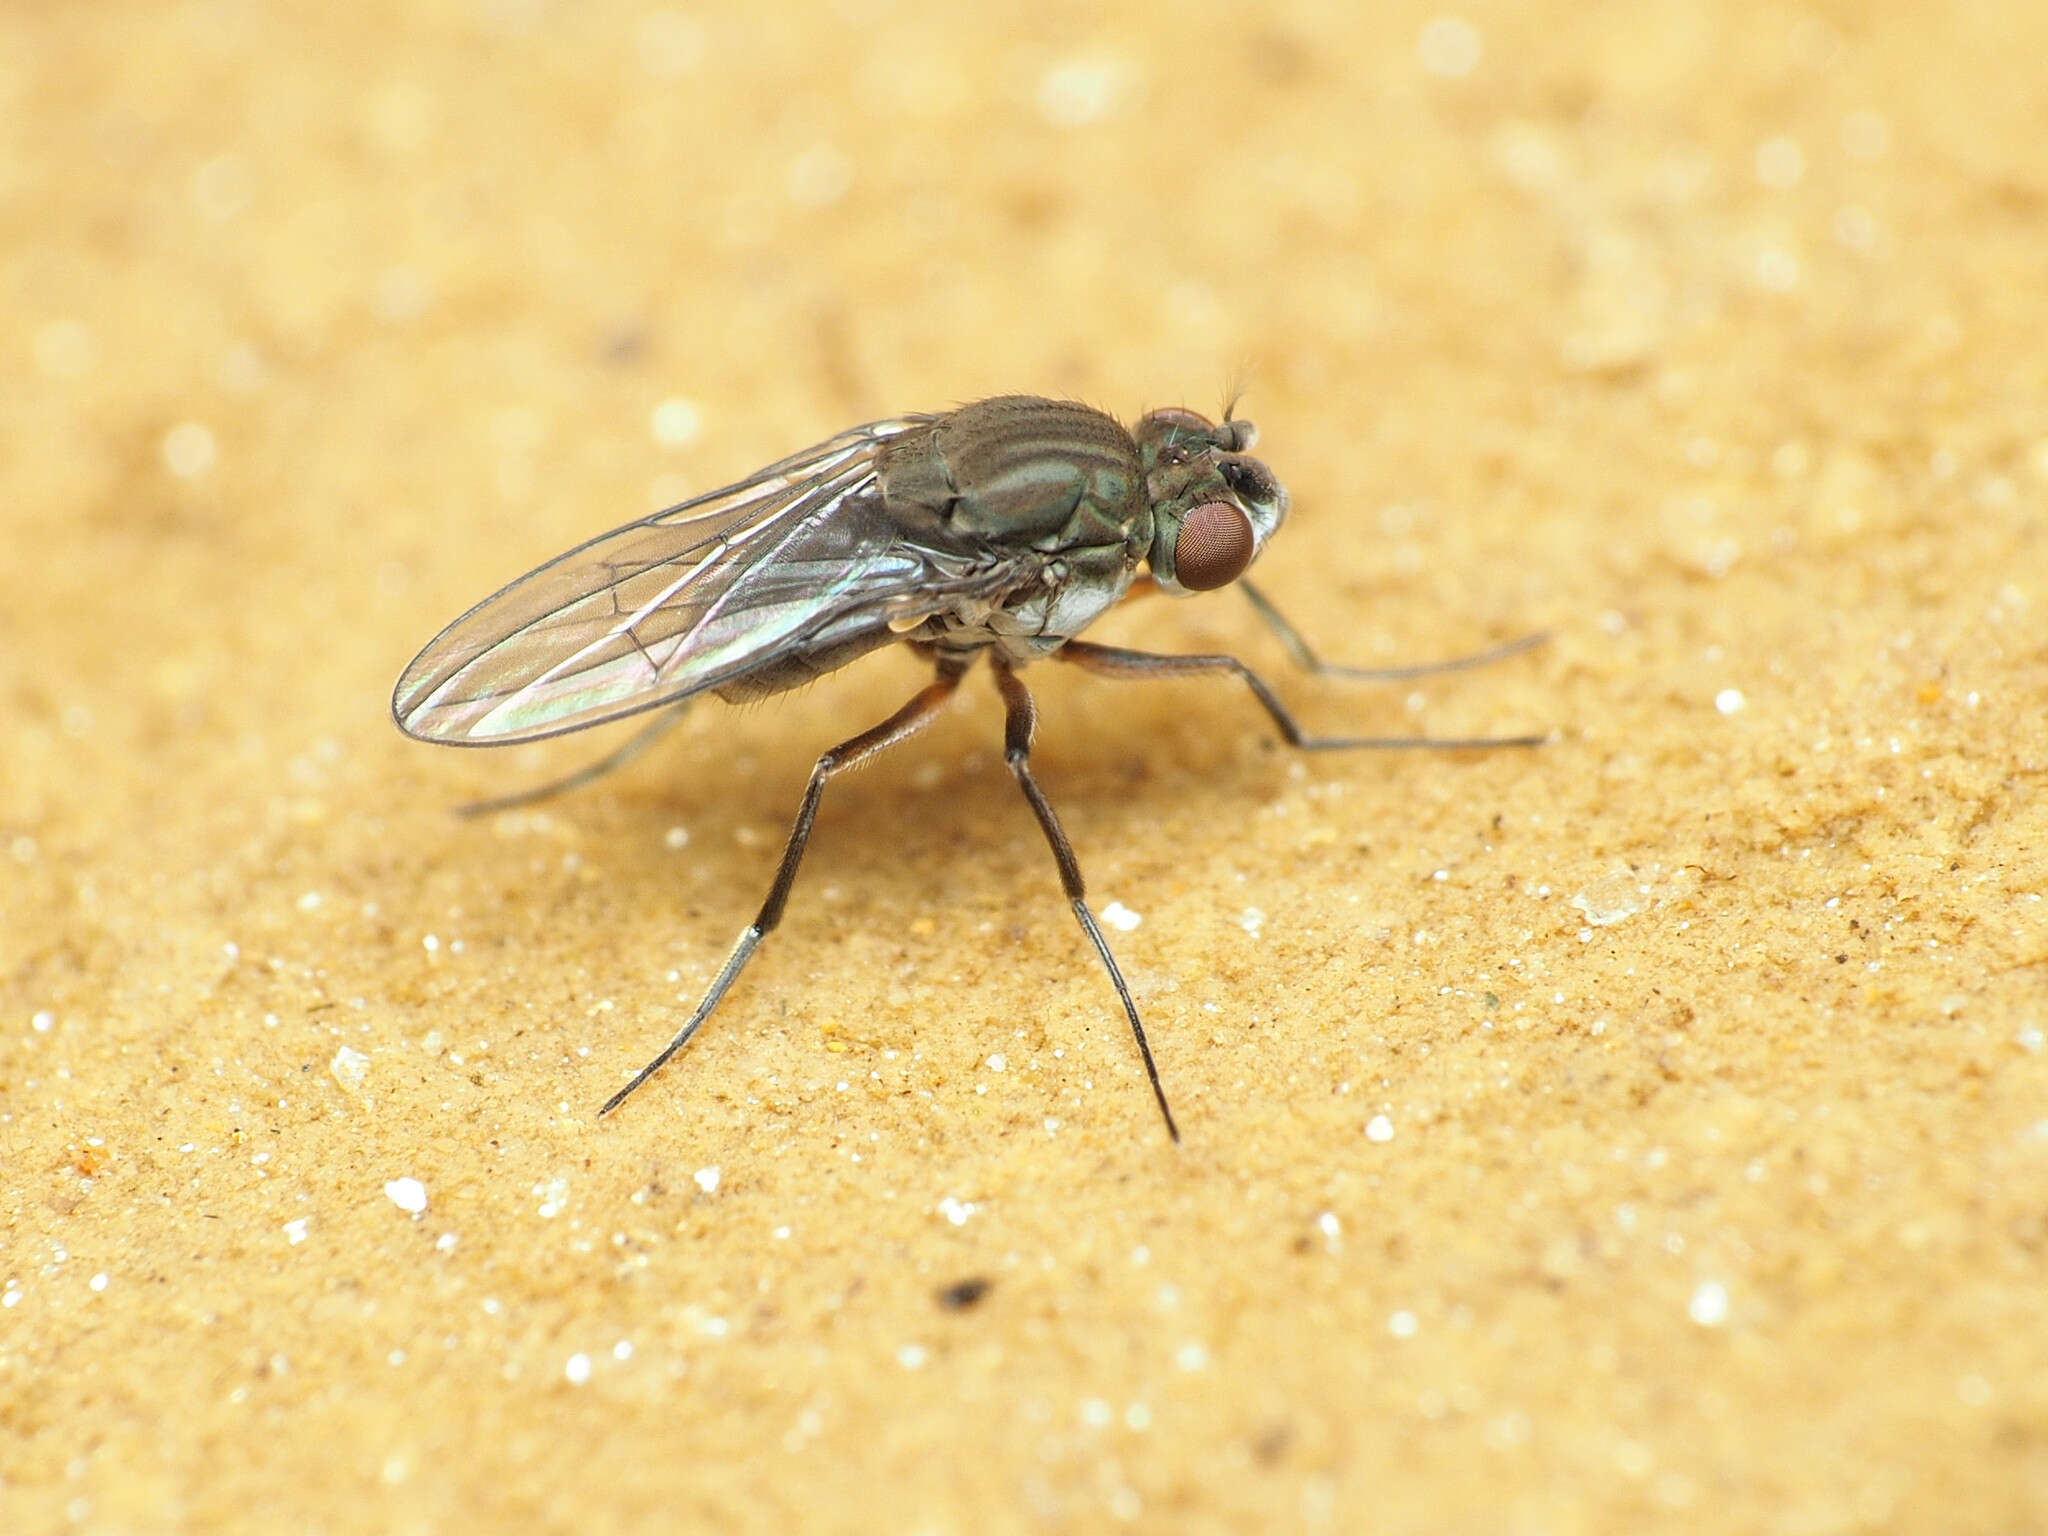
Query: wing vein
{"type": "Point", "coordinates": [697, 595]}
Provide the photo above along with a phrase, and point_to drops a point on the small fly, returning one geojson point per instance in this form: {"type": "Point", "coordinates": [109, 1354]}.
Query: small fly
{"type": "Point", "coordinates": [1001, 529]}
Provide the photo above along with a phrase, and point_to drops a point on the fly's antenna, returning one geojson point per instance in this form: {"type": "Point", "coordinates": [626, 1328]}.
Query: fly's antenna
{"type": "Point", "coordinates": [1236, 385]}
{"type": "Point", "coordinates": [1239, 435]}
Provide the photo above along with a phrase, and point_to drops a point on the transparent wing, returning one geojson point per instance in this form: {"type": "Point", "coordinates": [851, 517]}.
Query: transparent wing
{"type": "Point", "coordinates": [688, 599]}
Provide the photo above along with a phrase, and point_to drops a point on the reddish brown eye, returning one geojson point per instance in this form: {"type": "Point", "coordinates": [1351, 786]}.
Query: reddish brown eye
{"type": "Point", "coordinates": [1214, 546]}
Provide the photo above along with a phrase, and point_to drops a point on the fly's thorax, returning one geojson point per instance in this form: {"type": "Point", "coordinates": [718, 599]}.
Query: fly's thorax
{"type": "Point", "coordinates": [1018, 472]}
{"type": "Point", "coordinates": [1213, 505]}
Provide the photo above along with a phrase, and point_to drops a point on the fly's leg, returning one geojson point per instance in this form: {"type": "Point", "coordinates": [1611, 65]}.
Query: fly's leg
{"type": "Point", "coordinates": [618, 757]}
{"type": "Point", "coordinates": [1113, 661]}
{"type": "Point", "coordinates": [1019, 726]}
{"type": "Point", "coordinates": [851, 753]}
{"type": "Point", "coordinates": [1298, 650]}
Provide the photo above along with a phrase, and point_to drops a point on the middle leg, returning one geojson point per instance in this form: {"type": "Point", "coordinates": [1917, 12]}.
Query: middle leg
{"type": "Point", "coordinates": [1019, 726]}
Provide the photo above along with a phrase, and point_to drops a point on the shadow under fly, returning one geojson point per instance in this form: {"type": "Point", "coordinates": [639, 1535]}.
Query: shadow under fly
{"type": "Point", "coordinates": [998, 530]}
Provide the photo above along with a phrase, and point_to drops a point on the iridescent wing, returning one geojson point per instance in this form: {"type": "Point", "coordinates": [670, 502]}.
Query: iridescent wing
{"type": "Point", "coordinates": [694, 597]}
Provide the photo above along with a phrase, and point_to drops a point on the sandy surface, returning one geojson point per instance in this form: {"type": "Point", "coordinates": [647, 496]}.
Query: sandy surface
{"type": "Point", "coordinates": [1646, 1132]}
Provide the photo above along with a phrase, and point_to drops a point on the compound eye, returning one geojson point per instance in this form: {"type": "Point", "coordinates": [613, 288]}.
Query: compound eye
{"type": "Point", "coordinates": [1214, 546]}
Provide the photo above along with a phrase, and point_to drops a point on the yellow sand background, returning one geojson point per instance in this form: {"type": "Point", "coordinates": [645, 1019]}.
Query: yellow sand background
{"type": "Point", "coordinates": [1711, 338]}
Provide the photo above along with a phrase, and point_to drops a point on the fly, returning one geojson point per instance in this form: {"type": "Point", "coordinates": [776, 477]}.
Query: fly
{"type": "Point", "coordinates": [1001, 529]}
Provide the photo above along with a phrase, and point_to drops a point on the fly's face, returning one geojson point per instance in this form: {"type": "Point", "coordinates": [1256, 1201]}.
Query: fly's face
{"type": "Point", "coordinates": [1213, 505]}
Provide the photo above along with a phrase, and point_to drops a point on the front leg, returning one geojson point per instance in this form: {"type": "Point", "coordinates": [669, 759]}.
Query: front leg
{"type": "Point", "coordinates": [1298, 650]}
{"type": "Point", "coordinates": [1114, 661]}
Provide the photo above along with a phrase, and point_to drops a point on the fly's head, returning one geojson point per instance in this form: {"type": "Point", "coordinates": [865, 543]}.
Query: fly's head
{"type": "Point", "coordinates": [1213, 505]}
